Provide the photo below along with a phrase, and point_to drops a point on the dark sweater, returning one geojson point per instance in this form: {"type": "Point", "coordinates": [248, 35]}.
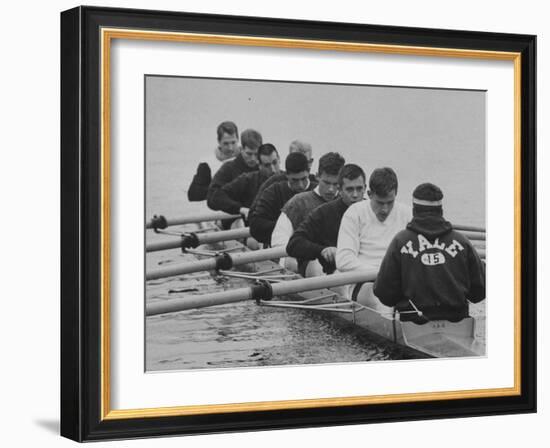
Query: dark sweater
{"type": "Point", "coordinates": [268, 208]}
{"type": "Point", "coordinates": [435, 267]}
{"type": "Point", "coordinates": [273, 180]}
{"type": "Point", "coordinates": [300, 205]}
{"type": "Point", "coordinates": [318, 231]}
{"type": "Point", "coordinates": [199, 185]}
{"type": "Point", "coordinates": [228, 171]}
{"type": "Point", "coordinates": [240, 192]}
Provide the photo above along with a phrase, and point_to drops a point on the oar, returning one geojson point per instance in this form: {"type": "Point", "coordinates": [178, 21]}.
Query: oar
{"type": "Point", "coordinates": [196, 239]}
{"type": "Point", "coordinates": [211, 215]}
{"type": "Point", "coordinates": [226, 261]}
{"type": "Point", "coordinates": [468, 228]}
{"type": "Point", "coordinates": [473, 235]}
{"type": "Point", "coordinates": [160, 222]}
{"type": "Point", "coordinates": [264, 291]}
{"type": "Point", "coordinates": [223, 261]}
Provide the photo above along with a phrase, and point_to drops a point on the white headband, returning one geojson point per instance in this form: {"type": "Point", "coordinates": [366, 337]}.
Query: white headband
{"type": "Point", "coordinates": [426, 203]}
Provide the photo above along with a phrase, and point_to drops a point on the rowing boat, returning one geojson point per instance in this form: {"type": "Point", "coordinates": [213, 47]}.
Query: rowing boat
{"type": "Point", "coordinates": [441, 339]}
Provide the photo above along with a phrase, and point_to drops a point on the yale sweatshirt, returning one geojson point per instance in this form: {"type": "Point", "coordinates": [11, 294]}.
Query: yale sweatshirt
{"type": "Point", "coordinates": [434, 267]}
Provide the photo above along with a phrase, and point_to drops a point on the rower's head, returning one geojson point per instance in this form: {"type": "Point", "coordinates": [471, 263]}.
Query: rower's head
{"type": "Point", "coordinates": [251, 140]}
{"type": "Point", "coordinates": [352, 183]}
{"type": "Point", "coordinates": [228, 138]}
{"type": "Point", "coordinates": [330, 165]}
{"type": "Point", "coordinates": [382, 192]}
{"type": "Point", "coordinates": [268, 159]}
{"type": "Point", "coordinates": [297, 172]}
{"type": "Point", "coordinates": [427, 199]}
{"type": "Point", "coordinates": [304, 148]}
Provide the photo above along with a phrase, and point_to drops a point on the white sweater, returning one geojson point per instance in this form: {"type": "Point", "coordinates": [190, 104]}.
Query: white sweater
{"type": "Point", "coordinates": [363, 239]}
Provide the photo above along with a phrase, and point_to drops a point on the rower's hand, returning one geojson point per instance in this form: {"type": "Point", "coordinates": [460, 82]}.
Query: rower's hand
{"type": "Point", "coordinates": [244, 212]}
{"type": "Point", "coordinates": [329, 254]}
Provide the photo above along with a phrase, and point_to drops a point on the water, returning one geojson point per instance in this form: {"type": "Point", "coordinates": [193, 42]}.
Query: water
{"type": "Point", "coordinates": [245, 335]}
{"type": "Point", "coordinates": [424, 134]}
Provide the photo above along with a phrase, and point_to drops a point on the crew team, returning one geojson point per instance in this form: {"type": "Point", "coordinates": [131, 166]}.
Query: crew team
{"type": "Point", "coordinates": [326, 224]}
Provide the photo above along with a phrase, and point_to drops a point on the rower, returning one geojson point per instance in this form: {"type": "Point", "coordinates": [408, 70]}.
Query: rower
{"type": "Point", "coordinates": [246, 161]}
{"type": "Point", "coordinates": [295, 146]}
{"type": "Point", "coordinates": [429, 267]}
{"type": "Point", "coordinates": [299, 206]}
{"type": "Point", "coordinates": [228, 148]}
{"type": "Point", "coordinates": [314, 241]}
{"type": "Point", "coordinates": [237, 196]}
{"type": "Point", "coordinates": [272, 199]}
{"type": "Point", "coordinates": [367, 229]}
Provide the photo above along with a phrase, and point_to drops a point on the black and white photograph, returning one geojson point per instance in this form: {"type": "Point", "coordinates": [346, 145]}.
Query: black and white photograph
{"type": "Point", "coordinates": [298, 223]}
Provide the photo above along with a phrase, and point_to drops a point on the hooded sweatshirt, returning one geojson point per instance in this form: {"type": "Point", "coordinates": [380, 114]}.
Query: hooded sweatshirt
{"type": "Point", "coordinates": [434, 267]}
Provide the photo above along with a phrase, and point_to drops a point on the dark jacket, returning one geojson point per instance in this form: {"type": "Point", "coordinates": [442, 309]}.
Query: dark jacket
{"type": "Point", "coordinates": [228, 171]}
{"type": "Point", "coordinates": [240, 192]}
{"type": "Point", "coordinates": [268, 208]}
{"type": "Point", "coordinates": [318, 231]}
{"type": "Point", "coordinates": [435, 267]}
{"type": "Point", "coordinates": [273, 180]}
{"type": "Point", "coordinates": [301, 205]}
{"type": "Point", "coordinates": [199, 185]}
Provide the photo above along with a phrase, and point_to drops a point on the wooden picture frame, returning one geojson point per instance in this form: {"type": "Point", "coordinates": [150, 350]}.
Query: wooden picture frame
{"type": "Point", "coordinates": [86, 37]}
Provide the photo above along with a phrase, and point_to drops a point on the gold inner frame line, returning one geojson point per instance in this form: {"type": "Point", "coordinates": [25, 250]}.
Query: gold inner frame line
{"type": "Point", "coordinates": [107, 35]}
